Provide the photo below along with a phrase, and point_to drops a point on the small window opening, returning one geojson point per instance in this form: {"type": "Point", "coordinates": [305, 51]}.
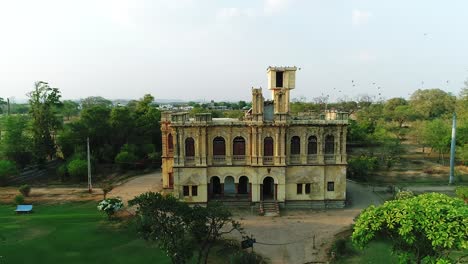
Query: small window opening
{"type": "Point", "coordinates": [279, 79]}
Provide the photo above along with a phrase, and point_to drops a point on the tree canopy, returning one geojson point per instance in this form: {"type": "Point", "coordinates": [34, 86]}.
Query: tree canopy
{"type": "Point", "coordinates": [425, 227]}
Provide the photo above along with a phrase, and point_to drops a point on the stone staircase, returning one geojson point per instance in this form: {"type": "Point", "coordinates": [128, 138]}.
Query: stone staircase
{"type": "Point", "coordinates": [269, 208]}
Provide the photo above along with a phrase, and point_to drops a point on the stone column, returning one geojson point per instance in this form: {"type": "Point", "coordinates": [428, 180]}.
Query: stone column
{"type": "Point", "coordinates": [304, 147]}
{"type": "Point", "coordinates": [229, 147]}
{"type": "Point", "coordinates": [320, 145]}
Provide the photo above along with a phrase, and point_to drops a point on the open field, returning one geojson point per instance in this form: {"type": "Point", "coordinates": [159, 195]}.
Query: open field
{"type": "Point", "coordinates": [70, 233]}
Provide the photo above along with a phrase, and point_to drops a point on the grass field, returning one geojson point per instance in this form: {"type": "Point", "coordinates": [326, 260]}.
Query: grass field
{"type": "Point", "coordinates": [376, 252]}
{"type": "Point", "coordinates": [70, 233]}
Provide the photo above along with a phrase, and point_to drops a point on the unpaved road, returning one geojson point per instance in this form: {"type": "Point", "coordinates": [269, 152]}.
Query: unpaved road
{"type": "Point", "coordinates": [138, 185]}
{"type": "Point", "coordinates": [289, 238]}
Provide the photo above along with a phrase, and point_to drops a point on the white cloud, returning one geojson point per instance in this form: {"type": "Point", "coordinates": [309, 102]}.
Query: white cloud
{"type": "Point", "coordinates": [274, 6]}
{"type": "Point", "coordinates": [118, 11]}
{"type": "Point", "coordinates": [360, 17]}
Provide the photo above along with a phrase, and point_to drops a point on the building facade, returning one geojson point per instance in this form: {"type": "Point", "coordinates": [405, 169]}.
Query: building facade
{"type": "Point", "coordinates": [269, 154]}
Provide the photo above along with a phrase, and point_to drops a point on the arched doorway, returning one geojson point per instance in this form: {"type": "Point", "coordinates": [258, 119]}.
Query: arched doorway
{"type": "Point", "coordinates": [215, 186]}
{"type": "Point", "coordinates": [268, 191]}
{"type": "Point", "coordinates": [229, 186]}
{"type": "Point", "coordinates": [243, 185]}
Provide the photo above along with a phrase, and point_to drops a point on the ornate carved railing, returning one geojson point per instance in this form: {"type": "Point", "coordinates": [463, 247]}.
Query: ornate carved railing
{"type": "Point", "coordinates": [268, 160]}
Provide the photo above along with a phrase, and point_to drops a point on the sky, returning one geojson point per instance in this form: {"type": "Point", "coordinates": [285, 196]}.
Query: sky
{"type": "Point", "coordinates": [218, 50]}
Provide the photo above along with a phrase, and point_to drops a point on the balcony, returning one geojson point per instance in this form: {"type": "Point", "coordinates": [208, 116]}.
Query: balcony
{"type": "Point", "coordinates": [329, 158]}
{"type": "Point", "coordinates": [295, 159]}
{"type": "Point", "coordinates": [268, 160]}
{"type": "Point", "coordinates": [312, 158]}
{"type": "Point", "coordinates": [219, 159]}
{"type": "Point", "coordinates": [238, 159]}
{"type": "Point", "coordinates": [189, 160]}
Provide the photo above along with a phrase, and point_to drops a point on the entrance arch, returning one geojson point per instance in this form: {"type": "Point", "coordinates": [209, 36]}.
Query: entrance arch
{"type": "Point", "coordinates": [268, 190]}
{"type": "Point", "coordinates": [229, 186]}
{"type": "Point", "coordinates": [243, 185]}
{"type": "Point", "coordinates": [215, 186]}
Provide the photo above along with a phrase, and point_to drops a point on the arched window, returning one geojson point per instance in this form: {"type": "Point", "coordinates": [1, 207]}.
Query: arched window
{"type": "Point", "coordinates": [170, 142]}
{"type": "Point", "coordinates": [295, 145]}
{"type": "Point", "coordinates": [189, 147]}
{"type": "Point", "coordinates": [219, 146]}
{"type": "Point", "coordinates": [238, 146]}
{"type": "Point", "coordinates": [268, 147]}
{"type": "Point", "coordinates": [330, 145]}
{"type": "Point", "coordinates": [312, 145]}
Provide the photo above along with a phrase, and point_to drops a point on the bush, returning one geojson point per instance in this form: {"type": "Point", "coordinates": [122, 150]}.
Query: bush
{"type": "Point", "coordinates": [62, 171]}
{"type": "Point", "coordinates": [78, 169]}
{"type": "Point", "coordinates": [25, 190]}
{"type": "Point", "coordinates": [462, 192]}
{"type": "Point", "coordinates": [126, 160]}
{"type": "Point", "coordinates": [243, 257]}
{"type": "Point", "coordinates": [359, 168]}
{"type": "Point", "coordinates": [7, 168]}
{"type": "Point", "coordinates": [403, 194]}
{"type": "Point", "coordinates": [110, 206]}
{"type": "Point", "coordinates": [339, 247]}
{"type": "Point", "coordinates": [19, 199]}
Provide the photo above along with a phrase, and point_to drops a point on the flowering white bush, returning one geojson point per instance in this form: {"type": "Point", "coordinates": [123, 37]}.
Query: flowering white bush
{"type": "Point", "coordinates": [110, 206]}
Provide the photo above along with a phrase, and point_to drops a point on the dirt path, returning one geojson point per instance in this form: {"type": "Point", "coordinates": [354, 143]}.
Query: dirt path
{"type": "Point", "coordinates": [138, 185]}
{"type": "Point", "coordinates": [289, 238]}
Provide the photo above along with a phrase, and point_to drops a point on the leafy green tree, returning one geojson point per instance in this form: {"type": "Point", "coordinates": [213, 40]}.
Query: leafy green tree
{"type": "Point", "coordinates": [208, 225]}
{"type": "Point", "coordinates": [122, 123]}
{"type": "Point", "coordinates": [432, 103]}
{"type": "Point", "coordinates": [360, 168]}
{"type": "Point", "coordinates": [44, 101]}
{"type": "Point", "coordinates": [126, 160]}
{"type": "Point", "coordinates": [95, 101]}
{"type": "Point", "coordinates": [425, 228]}
{"type": "Point", "coordinates": [78, 169]}
{"type": "Point", "coordinates": [70, 108]}
{"type": "Point", "coordinates": [2, 104]}
{"type": "Point", "coordinates": [7, 169]}
{"type": "Point", "coordinates": [166, 220]}
{"type": "Point", "coordinates": [437, 134]}
{"type": "Point", "coordinates": [15, 143]}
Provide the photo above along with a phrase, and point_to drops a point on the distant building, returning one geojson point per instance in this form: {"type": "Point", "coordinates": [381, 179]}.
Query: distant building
{"type": "Point", "coordinates": [295, 161]}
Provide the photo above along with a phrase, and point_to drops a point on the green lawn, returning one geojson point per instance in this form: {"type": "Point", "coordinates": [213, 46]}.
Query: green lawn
{"type": "Point", "coordinates": [376, 252]}
{"type": "Point", "coordinates": [70, 233]}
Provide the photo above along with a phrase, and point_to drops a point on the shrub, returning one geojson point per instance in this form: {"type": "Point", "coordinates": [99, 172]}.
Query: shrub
{"type": "Point", "coordinates": [19, 199]}
{"type": "Point", "coordinates": [110, 206]}
{"type": "Point", "coordinates": [126, 160]}
{"type": "Point", "coordinates": [25, 190]}
{"type": "Point", "coordinates": [360, 167]}
{"type": "Point", "coordinates": [243, 257]}
{"type": "Point", "coordinates": [462, 192]}
{"type": "Point", "coordinates": [7, 168]}
{"type": "Point", "coordinates": [403, 194]}
{"type": "Point", "coordinates": [62, 171]}
{"type": "Point", "coordinates": [339, 247]}
{"type": "Point", "coordinates": [78, 169]}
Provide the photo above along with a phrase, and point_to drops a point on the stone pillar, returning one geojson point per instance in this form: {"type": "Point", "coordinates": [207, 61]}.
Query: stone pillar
{"type": "Point", "coordinates": [343, 145]}
{"type": "Point", "coordinates": [277, 153]}
{"type": "Point", "coordinates": [320, 145]}
{"type": "Point", "coordinates": [260, 145]}
{"type": "Point", "coordinates": [229, 147]}
{"type": "Point", "coordinates": [304, 147]}
{"type": "Point", "coordinates": [253, 144]}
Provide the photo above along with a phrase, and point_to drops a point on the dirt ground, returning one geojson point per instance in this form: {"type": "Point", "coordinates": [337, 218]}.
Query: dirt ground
{"type": "Point", "coordinates": [126, 190]}
{"type": "Point", "coordinates": [290, 238]}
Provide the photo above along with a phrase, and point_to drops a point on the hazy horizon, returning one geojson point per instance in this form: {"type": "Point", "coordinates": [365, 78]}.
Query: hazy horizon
{"type": "Point", "coordinates": [217, 50]}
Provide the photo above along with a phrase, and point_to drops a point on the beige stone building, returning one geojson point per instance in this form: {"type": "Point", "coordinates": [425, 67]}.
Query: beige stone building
{"type": "Point", "coordinates": [268, 155]}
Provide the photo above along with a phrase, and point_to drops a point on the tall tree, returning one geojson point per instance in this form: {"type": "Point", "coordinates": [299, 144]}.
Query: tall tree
{"type": "Point", "coordinates": [70, 108]}
{"type": "Point", "coordinates": [44, 100]}
{"type": "Point", "coordinates": [432, 103]}
{"type": "Point", "coordinates": [15, 144]}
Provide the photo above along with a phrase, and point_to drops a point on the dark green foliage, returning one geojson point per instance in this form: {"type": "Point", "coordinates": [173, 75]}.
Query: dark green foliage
{"type": "Point", "coordinates": [339, 247]}
{"type": "Point", "coordinates": [78, 169]}
{"type": "Point", "coordinates": [69, 109]}
{"type": "Point", "coordinates": [126, 160]}
{"type": "Point", "coordinates": [243, 257]}
{"type": "Point", "coordinates": [44, 102]}
{"type": "Point", "coordinates": [7, 169]}
{"type": "Point", "coordinates": [62, 171]}
{"type": "Point", "coordinates": [15, 143]}
{"type": "Point", "coordinates": [180, 229]}
{"type": "Point", "coordinates": [19, 199]}
{"type": "Point", "coordinates": [25, 190]}
{"type": "Point", "coordinates": [360, 168]}
{"type": "Point", "coordinates": [432, 103]}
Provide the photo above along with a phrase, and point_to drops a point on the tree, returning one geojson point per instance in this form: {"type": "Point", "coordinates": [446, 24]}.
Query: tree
{"type": "Point", "coordinates": [7, 169]}
{"type": "Point", "coordinates": [15, 143]}
{"type": "Point", "coordinates": [70, 108]}
{"type": "Point", "coordinates": [432, 103]}
{"type": "Point", "coordinates": [208, 225]}
{"type": "Point", "coordinates": [436, 134]}
{"type": "Point", "coordinates": [95, 101]}
{"type": "Point", "coordinates": [2, 104]}
{"type": "Point", "coordinates": [165, 219]}
{"type": "Point", "coordinates": [425, 227]}
{"type": "Point", "coordinates": [78, 168]}
{"type": "Point", "coordinates": [44, 101]}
